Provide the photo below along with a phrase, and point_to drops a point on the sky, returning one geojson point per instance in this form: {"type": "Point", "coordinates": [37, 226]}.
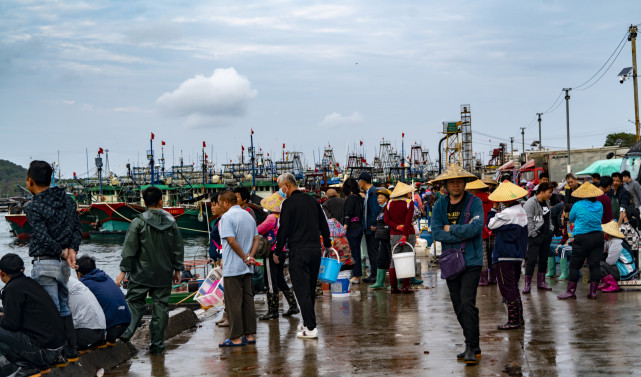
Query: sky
{"type": "Point", "coordinates": [76, 76]}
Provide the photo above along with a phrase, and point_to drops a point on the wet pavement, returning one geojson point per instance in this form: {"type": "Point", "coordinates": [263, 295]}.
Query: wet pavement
{"type": "Point", "coordinates": [373, 333]}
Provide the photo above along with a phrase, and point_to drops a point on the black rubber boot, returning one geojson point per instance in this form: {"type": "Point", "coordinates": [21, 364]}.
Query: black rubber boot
{"type": "Point", "coordinates": [469, 356]}
{"type": "Point", "coordinates": [477, 353]}
{"type": "Point", "coordinates": [272, 307]}
{"type": "Point", "coordinates": [71, 349]}
{"type": "Point", "coordinates": [513, 319]}
{"type": "Point", "coordinates": [293, 305]}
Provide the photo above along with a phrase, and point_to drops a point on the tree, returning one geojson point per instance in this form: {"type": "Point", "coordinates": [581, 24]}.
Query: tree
{"type": "Point", "coordinates": [621, 139]}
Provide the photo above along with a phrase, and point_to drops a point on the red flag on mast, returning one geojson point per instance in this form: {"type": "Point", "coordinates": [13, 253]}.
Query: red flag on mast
{"type": "Point", "coordinates": [403, 134]}
{"type": "Point", "coordinates": [243, 147]}
{"type": "Point", "coordinates": [152, 136]}
{"type": "Point", "coordinates": [283, 145]}
{"type": "Point", "coordinates": [162, 142]}
{"type": "Point", "coordinates": [252, 131]}
{"type": "Point", "coordinates": [204, 145]}
{"type": "Point", "coordinates": [361, 143]}
{"type": "Point", "coordinates": [100, 151]}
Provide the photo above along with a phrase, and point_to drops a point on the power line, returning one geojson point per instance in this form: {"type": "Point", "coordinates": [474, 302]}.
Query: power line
{"type": "Point", "coordinates": [553, 104]}
{"type": "Point", "coordinates": [606, 71]}
{"type": "Point", "coordinates": [605, 63]}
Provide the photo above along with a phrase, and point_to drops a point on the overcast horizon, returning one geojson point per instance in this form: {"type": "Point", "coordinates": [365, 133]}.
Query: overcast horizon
{"type": "Point", "coordinates": [80, 75]}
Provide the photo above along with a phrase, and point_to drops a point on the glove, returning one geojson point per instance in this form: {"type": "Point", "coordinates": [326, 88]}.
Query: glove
{"type": "Point", "coordinates": [403, 240]}
{"type": "Point", "coordinates": [400, 228]}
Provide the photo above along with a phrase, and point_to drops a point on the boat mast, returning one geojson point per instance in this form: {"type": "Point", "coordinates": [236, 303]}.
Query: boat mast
{"type": "Point", "coordinates": [150, 156]}
{"type": "Point", "coordinates": [99, 166]}
{"type": "Point", "coordinates": [253, 159]}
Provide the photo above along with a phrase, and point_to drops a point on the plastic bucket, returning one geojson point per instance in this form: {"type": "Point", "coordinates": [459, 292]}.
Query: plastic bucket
{"type": "Point", "coordinates": [341, 287]}
{"type": "Point", "coordinates": [404, 263]}
{"type": "Point", "coordinates": [329, 269]}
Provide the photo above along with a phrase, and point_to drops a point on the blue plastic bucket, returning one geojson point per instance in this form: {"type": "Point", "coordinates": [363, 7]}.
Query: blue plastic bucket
{"type": "Point", "coordinates": [329, 269]}
{"type": "Point", "coordinates": [341, 287]}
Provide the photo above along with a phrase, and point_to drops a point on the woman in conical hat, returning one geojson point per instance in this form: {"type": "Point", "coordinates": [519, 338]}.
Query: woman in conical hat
{"type": "Point", "coordinates": [619, 263]}
{"type": "Point", "coordinates": [479, 189]}
{"type": "Point", "coordinates": [586, 215]}
{"type": "Point", "coordinates": [452, 227]}
{"type": "Point", "coordinates": [510, 229]}
{"type": "Point", "coordinates": [398, 215]}
{"type": "Point", "coordinates": [275, 276]}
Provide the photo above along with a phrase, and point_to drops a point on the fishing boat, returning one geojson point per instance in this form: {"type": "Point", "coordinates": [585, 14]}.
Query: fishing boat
{"type": "Point", "coordinates": [21, 228]}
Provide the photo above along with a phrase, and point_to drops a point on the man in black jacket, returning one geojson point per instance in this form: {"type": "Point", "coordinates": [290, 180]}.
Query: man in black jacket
{"type": "Point", "coordinates": [302, 222]}
{"type": "Point", "coordinates": [31, 330]}
{"type": "Point", "coordinates": [333, 206]}
{"type": "Point", "coordinates": [55, 240]}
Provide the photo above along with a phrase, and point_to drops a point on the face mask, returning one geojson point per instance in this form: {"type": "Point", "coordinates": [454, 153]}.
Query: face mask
{"type": "Point", "coordinates": [284, 195]}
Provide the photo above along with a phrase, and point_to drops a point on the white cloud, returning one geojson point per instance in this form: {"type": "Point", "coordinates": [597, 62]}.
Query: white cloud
{"type": "Point", "coordinates": [129, 109]}
{"type": "Point", "coordinates": [68, 102]}
{"type": "Point", "coordinates": [223, 94]}
{"type": "Point", "coordinates": [337, 120]}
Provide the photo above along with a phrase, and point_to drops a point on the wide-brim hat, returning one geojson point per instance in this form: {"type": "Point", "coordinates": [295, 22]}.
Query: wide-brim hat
{"type": "Point", "coordinates": [454, 171]}
{"type": "Point", "coordinates": [383, 191]}
{"type": "Point", "coordinates": [507, 192]}
{"type": "Point", "coordinates": [476, 185]}
{"type": "Point", "coordinates": [489, 181]}
{"type": "Point", "coordinates": [401, 189]}
{"type": "Point", "coordinates": [587, 190]}
{"type": "Point", "coordinates": [612, 228]}
{"type": "Point", "coordinates": [272, 203]}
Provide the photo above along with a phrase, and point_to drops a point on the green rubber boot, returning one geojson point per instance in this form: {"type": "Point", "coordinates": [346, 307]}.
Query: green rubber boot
{"type": "Point", "coordinates": [551, 268]}
{"type": "Point", "coordinates": [564, 269]}
{"type": "Point", "coordinates": [415, 281]}
{"type": "Point", "coordinates": [380, 279]}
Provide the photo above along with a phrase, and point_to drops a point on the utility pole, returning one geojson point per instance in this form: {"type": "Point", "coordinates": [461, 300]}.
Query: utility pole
{"type": "Point", "coordinates": [633, 39]}
{"type": "Point", "coordinates": [511, 147]}
{"type": "Point", "coordinates": [567, 117]}
{"type": "Point", "coordinates": [523, 142]}
{"type": "Point", "coordinates": [540, 142]}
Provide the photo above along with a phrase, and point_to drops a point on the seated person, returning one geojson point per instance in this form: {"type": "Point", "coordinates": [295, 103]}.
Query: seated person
{"type": "Point", "coordinates": [109, 296]}
{"type": "Point", "coordinates": [619, 263]}
{"type": "Point", "coordinates": [32, 334]}
{"type": "Point", "coordinates": [628, 222]}
{"type": "Point", "coordinates": [88, 318]}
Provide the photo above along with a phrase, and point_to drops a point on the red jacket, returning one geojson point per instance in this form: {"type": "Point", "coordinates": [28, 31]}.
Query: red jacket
{"type": "Point", "coordinates": [487, 206]}
{"type": "Point", "coordinates": [397, 212]}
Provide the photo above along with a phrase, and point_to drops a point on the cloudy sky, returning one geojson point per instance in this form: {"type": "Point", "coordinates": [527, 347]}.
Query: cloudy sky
{"type": "Point", "coordinates": [77, 75]}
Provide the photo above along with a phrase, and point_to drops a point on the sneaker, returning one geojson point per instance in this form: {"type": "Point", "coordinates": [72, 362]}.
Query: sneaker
{"type": "Point", "coordinates": [300, 328]}
{"type": "Point", "coordinates": [308, 334]}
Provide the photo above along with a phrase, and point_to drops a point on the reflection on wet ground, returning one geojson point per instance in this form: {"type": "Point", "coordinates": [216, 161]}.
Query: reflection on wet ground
{"type": "Point", "coordinates": [373, 333]}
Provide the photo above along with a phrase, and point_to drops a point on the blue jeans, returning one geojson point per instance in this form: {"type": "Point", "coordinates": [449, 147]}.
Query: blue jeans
{"type": "Point", "coordinates": [53, 275]}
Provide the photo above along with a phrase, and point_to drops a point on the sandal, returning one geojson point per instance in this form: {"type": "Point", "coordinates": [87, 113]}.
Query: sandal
{"type": "Point", "coordinates": [229, 343]}
{"type": "Point", "coordinates": [245, 340]}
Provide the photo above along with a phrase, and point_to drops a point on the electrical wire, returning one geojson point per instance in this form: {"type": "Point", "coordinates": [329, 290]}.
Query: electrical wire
{"type": "Point", "coordinates": [606, 71]}
{"type": "Point", "coordinates": [623, 40]}
{"type": "Point", "coordinates": [553, 104]}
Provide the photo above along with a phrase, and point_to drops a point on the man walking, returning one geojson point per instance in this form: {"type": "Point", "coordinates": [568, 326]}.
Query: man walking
{"type": "Point", "coordinates": [240, 243]}
{"type": "Point", "coordinates": [633, 187]}
{"type": "Point", "coordinates": [302, 223]}
{"type": "Point", "coordinates": [152, 255]}
{"type": "Point", "coordinates": [450, 228]}
{"type": "Point", "coordinates": [55, 240]}
{"type": "Point", "coordinates": [371, 210]}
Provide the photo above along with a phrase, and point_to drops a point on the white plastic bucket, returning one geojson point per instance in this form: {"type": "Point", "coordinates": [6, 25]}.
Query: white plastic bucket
{"type": "Point", "coordinates": [421, 247]}
{"type": "Point", "coordinates": [342, 285]}
{"type": "Point", "coordinates": [404, 263]}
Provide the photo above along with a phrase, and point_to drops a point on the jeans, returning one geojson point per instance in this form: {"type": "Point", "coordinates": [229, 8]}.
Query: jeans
{"type": "Point", "coordinates": [239, 302]}
{"type": "Point", "coordinates": [53, 275]}
{"type": "Point", "coordinates": [538, 248]}
{"type": "Point", "coordinates": [354, 236]}
{"type": "Point", "coordinates": [136, 299]}
{"type": "Point", "coordinates": [590, 246]}
{"type": "Point", "coordinates": [18, 348]}
{"type": "Point", "coordinates": [304, 265]}
{"type": "Point", "coordinates": [372, 251]}
{"type": "Point", "coordinates": [463, 296]}
{"type": "Point", "coordinates": [508, 274]}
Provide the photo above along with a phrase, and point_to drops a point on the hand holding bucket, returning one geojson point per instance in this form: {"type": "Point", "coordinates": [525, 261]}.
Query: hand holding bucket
{"type": "Point", "coordinates": [404, 263]}
{"type": "Point", "coordinates": [329, 267]}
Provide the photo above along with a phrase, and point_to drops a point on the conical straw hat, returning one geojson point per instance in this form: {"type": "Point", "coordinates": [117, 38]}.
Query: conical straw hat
{"type": "Point", "coordinates": [454, 171]}
{"type": "Point", "coordinates": [489, 181]}
{"type": "Point", "coordinates": [476, 185]}
{"type": "Point", "coordinates": [507, 192]}
{"type": "Point", "coordinates": [401, 189]}
{"type": "Point", "coordinates": [272, 203]}
{"type": "Point", "coordinates": [587, 190]}
{"type": "Point", "coordinates": [612, 228]}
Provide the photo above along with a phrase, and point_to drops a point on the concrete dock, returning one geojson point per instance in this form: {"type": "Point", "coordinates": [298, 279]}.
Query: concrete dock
{"type": "Point", "coordinates": [373, 333]}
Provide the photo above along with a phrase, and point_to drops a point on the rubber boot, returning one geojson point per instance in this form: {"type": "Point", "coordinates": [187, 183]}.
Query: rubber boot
{"type": "Point", "coordinates": [380, 279]}
{"type": "Point", "coordinates": [491, 277]}
{"type": "Point", "coordinates": [469, 356]}
{"type": "Point", "coordinates": [415, 281]}
{"type": "Point", "coordinates": [513, 321]}
{"type": "Point", "coordinates": [564, 269]}
{"type": "Point", "coordinates": [551, 268]}
{"type": "Point", "coordinates": [407, 287]}
{"type": "Point", "coordinates": [483, 280]}
{"type": "Point", "coordinates": [477, 353]}
{"type": "Point", "coordinates": [613, 286]}
{"type": "Point", "coordinates": [603, 284]}
{"type": "Point", "coordinates": [293, 305]}
{"type": "Point", "coordinates": [70, 351]}
{"type": "Point", "coordinates": [520, 308]}
{"type": "Point", "coordinates": [593, 290]}
{"type": "Point", "coordinates": [570, 291]}
{"type": "Point", "coordinates": [393, 282]}
{"type": "Point", "coordinates": [528, 284]}
{"type": "Point", "coordinates": [540, 282]}
{"type": "Point", "coordinates": [272, 307]}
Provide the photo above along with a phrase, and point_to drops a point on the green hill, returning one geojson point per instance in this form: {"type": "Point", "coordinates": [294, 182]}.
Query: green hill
{"type": "Point", "coordinates": [10, 175]}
